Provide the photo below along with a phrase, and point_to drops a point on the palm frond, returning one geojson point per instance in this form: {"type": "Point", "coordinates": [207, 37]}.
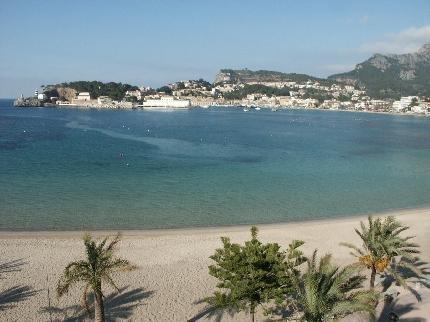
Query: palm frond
{"type": "Point", "coordinates": [326, 291]}
{"type": "Point", "coordinates": [386, 250]}
{"type": "Point", "coordinates": [358, 250]}
{"type": "Point", "coordinates": [99, 264]}
{"type": "Point", "coordinates": [110, 281]}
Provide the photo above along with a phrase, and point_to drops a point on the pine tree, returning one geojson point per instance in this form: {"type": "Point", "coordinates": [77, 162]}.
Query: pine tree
{"type": "Point", "coordinates": [252, 274]}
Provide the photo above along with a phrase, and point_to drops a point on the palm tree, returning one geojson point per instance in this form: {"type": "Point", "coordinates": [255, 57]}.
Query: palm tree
{"type": "Point", "coordinates": [385, 251]}
{"type": "Point", "coordinates": [98, 267]}
{"type": "Point", "coordinates": [325, 292]}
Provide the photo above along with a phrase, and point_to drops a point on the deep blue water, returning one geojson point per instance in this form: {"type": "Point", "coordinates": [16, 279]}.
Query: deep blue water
{"type": "Point", "coordinates": [63, 169]}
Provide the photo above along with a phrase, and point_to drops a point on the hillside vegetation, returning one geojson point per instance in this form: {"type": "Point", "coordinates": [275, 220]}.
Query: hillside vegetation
{"type": "Point", "coordinates": [115, 91]}
{"type": "Point", "coordinates": [256, 89]}
{"type": "Point", "coordinates": [246, 76]}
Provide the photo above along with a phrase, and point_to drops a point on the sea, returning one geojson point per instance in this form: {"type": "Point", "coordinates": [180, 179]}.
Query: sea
{"type": "Point", "coordinates": [88, 169]}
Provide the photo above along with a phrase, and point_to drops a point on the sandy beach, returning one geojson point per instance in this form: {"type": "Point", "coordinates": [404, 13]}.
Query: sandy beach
{"type": "Point", "coordinates": [172, 275]}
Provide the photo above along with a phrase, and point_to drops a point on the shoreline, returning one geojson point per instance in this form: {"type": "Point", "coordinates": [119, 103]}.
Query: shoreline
{"type": "Point", "coordinates": [159, 232]}
{"type": "Point", "coordinates": [263, 107]}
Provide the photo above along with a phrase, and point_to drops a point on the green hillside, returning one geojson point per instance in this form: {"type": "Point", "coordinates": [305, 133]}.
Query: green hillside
{"type": "Point", "coordinates": [115, 91]}
{"type": "Point", "coordinates": [246, 75]}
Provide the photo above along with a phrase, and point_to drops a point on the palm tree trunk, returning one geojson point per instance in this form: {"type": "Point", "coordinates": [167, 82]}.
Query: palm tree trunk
{"type": "Point", "coordinates": [372, 277]}
{"type": "Point", "coordinates": [252, 312]}
{"type": "Point", "coordinates": [99, 307]}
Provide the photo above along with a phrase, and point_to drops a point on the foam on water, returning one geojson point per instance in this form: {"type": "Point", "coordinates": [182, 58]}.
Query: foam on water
{"type": "Point", "coordinates": [179, 147]}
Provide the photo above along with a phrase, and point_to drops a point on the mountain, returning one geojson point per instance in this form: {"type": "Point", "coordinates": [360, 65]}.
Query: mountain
{"type": "Point", "coordinates": [392, 76]}
{"type": "Point", "coordinates": [246, 76]}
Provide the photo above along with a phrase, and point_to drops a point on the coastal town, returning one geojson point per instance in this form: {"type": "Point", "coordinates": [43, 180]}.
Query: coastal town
{"type": "Point", "coordinates": [215, 161]}
{"type": "Point", "coordinates": [274, 95]}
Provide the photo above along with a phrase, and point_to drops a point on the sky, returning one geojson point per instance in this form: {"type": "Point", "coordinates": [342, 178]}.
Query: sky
{"type": "Point", "coordinates": [156, 42]}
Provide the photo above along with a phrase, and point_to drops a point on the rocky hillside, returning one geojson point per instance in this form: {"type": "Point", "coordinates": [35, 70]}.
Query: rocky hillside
{"type": "Point", "coordinates": [392, 75]}
{"type": "Point", "coordinates": [246, 76]}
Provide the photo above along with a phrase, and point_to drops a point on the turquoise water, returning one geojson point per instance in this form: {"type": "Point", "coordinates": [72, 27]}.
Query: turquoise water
{"type": "Point", "coordinates": [92, 169]}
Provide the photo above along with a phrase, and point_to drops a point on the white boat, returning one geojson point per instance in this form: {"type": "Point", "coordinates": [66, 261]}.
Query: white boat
{"type": "Point", "coordinates": [257, 108]}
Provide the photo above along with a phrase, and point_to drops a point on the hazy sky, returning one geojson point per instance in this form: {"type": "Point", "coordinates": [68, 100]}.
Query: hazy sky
{"type": "Point", "coordinates": [156, 42]}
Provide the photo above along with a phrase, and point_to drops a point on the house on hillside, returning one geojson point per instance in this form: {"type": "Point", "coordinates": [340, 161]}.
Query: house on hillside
{"type": "Point", "coordinates": [137, 93]}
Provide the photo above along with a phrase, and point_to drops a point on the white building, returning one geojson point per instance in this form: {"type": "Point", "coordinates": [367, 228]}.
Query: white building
{"type": "Point", "coordinates": [331, 104]}
{"type": "Point", "coordinates": [349, 88]}
{"type": "Point", "coordinates": [104, 100]}
{"type": "Point", "coordinates": [166, 102]}
{"type": "Point", "coordinates": [84, 96]}
{"type": "Point", "coordinates": [137, 93]}
{"type": "Point", "coordinates": [253, 97]}
{"type": "Point", "coordinates": [63, 103]}
{"type": "Point", "coordinates": [421, 109]}
{"type": "Point", "coordinates": [144, 89]}
{"type": "Point", "coordinates": [41, 96]}
{"type": "Point", "coordinates": [378, 105]}
{"type": "Point", "coordinates": [404, 103]}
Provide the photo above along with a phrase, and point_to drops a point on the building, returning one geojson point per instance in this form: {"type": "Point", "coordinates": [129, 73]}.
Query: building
{"type": "Point", "coordinates": [137, 93]}
{"type": "Point", "coordinates": [378, 105]}
{"type": "Point", "coordinates": [84, 96]}
{"type": "Point", "coordinates": [58, 102]}
{"type": "Point", "coordinates": [144, 89]}
{"type": "Point", "coordinates": [331, 104]}
{"type": "Point", "coordinates": [104, 100]}
{"type": "Point", "coordinates": [41, 96]}
{"type": "Point", "coordinates": [166, 102]}
{"type": "Point", "coordinates": [349, 88]}
{"type": "Point", "coordinates": [83, 99]}
{"type": "Point", "coordinates": [404, 103]}
{"type": "Point", "coordinates": [420, 109]}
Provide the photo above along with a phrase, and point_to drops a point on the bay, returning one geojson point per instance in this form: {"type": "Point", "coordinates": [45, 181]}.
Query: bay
{"type": "Point", "coordinates": [76, 169]}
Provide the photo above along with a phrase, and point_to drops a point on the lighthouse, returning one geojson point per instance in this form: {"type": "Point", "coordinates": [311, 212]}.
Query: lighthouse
{"type": "Point", "coordinates": [36, 92]}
